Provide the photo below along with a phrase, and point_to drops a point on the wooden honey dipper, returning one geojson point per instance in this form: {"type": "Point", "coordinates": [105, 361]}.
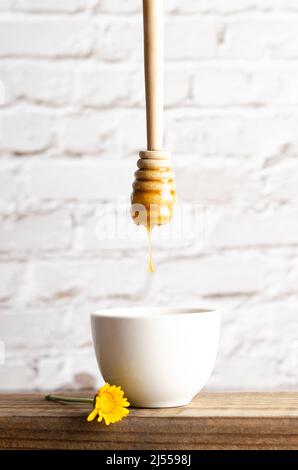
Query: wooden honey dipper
{"type": "Point", "coordinates": [154, 191]}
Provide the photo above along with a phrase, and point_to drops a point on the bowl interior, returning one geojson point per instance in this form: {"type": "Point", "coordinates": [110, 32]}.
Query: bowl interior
{"type": "Point", "coordinates": [149, 312]}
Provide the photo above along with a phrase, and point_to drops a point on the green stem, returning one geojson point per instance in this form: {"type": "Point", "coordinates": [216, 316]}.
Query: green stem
{"type": "Point", "coordinates": [69, 399]}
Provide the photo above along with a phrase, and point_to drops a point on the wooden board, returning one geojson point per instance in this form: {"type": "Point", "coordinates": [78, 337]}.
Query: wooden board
{"type": "Point", "coordinates": [211, 421]}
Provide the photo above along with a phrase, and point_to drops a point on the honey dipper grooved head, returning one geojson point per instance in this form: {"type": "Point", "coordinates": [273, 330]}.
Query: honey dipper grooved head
{"type": "Point", "coordinates": [154, 190]}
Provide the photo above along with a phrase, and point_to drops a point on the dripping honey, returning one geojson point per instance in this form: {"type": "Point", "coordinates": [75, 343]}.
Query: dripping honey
{"type": "Point", "coordinates": [150, 263]}
{"type": "Point", "coordinates": [154, 194]}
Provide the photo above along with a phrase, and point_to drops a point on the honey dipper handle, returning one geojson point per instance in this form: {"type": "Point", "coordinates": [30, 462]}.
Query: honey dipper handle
{"type": "Point", "coordinates": [153, 58]}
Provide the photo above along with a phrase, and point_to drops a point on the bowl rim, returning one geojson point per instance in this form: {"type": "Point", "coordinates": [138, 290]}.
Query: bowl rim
{"type": "Point", "coordinates": [142, 313]}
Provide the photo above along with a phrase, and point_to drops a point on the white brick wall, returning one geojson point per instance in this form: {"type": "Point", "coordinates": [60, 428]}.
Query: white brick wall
{"type": "Point", "coordinates": [71, 124]}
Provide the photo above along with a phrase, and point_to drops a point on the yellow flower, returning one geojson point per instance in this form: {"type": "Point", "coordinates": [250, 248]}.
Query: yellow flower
{"type": "Point", "coordinates": [109, 404]}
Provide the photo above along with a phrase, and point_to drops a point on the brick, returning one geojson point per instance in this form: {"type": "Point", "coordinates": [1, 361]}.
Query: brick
{"type": "Point", "coordinates": [36, 231]}
{"type": "Point", "coordinates": [200, 42]}
{"type": "Point", "coordinates": [113, 6]}
{"type": "Point", "coordinates": [50, 83]}
{"type": "Point", "coordinates": [103, 86]}
{"type": "Point", "coordinates": [250, 134]}
{"type": "Point", "coordinates": [267, 85]}
{"type": "Point", "coordinates": [261, 39]}
{"type": "Point", "coordinates": [288, 5]}
{"type": "Point", "coordinates": [130, 134]}
{"type": "Point", "coordinates": [238, 228]}
{"type": "Point", "coordinates": [251, 330]}
{"type": "Point", "coordinates": [80, 180]}
{"type": "Point", "coordinates": [282, 182]}
{"type": "Point", "coordinates": [12, 275]}
{"type": "Point", "coordinates": [176, 87]}
{"type": "Point", "coordinates": [137, 88]}
{"type": "Point", "coordinates": [115, 134]}
{"type": "Point", "coordinates": [68, 6]}
{"type": "Point", "coordinates": [214, 183]}
{"type": "Point", "coordinates": [17, 375]}
{"type": "Point", "coordinates": [129, 6]}
{"type": "Point", "coordinates": [222, 274]}
{"type": "Point", "coordinates": [41, 329]}
{"type": "Point", "coordinates": [245, 319]}
{"type": "Point", "coordinates": [56, 37]}
{"type": "Point", "coordinates": [54, 372]}
{"type": "Point", "coordinates": [228, 6]}
{"type": "Point", "coordinates": [6, 5]}
{"type": "Point", "coordinates": [87, 133]}
{"type": "Point", "coordinates": [32, 127]}
{"type": "Point", "coordinates": [286, 345]}
{"type": "Point", "coordinates": [10, 79]}
{"type": "Point", "coordinates": [3, 92]}
{"type": "Point", "coordinates": [230, 85]}
{"type": "Point", "coordinates": [236, 377]}
{"type": "Point", "coordinates": [93, 279]}
{"type": "Point", "coordinates": [119, 40]}
{"type": "Point", "coordinates": [284, 273]}
{"type": "Point", "coordinates": [221, 86]}
{"type": "Point", "coordinates": [75, 371]}
{"type": "Point", "coordinates": [10, 186]}
{"type": "Point", "coordinates": [274, 85]}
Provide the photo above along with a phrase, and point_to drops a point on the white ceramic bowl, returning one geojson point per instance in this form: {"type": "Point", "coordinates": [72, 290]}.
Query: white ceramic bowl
{"type": "Point", "coordinates": [161, 357]}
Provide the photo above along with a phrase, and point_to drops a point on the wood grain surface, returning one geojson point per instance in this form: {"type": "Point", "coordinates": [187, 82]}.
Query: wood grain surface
{"type": "Point", "coordinates": [211, 421]}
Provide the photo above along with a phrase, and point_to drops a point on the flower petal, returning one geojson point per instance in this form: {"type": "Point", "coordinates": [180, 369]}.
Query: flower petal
{"type": "Point", "coordinates": [110, 404]}
{"type": "Point", "coordinates": [92, 415]}
{"type": "Point", "coordinates": [107, 420]}
{"type": "Point", "coordinates": [124, 402]}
